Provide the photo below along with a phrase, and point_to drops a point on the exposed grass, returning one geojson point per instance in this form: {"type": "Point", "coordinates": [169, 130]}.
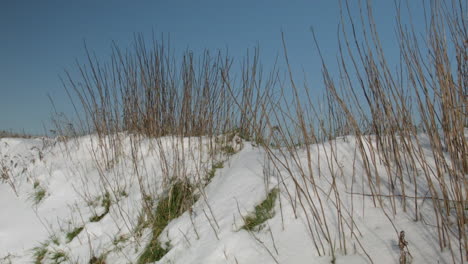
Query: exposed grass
{"type": "Point", "coordinates": [58, 256]}
{"type": "Point", "coordinates": [39, 193]}
{"type": "Point", "coordinates": [54, 239]}
{"type": "Point", "coordinates": [35, 184]}
{"type": "Point", "coordinates": [4, 173]}
{"type": "Point", "coordinates": [179, 199]}
{"type": "Point", "coordinates": [98, 260]}
{"type": "Point", "coordinates": [153, 251]}
{"type": "Point", "coordinates": [97, 218]}
{"type": "Point", "coordinates": [229, 150]}
{"type": "Point", "coordinates": [142, 223]}
{"type": "Point", "coordinates": [214, 167]}
{"type": "Point", "coordinates": [123, 193]}
{"type": "Point", "coordinates": [120, 239]}
{"type": "Point", "coordinates": [260, 141]}
{"type": "Point", "coordinates": [106, 203]}
{"type": "Point", "coordinates": [263, 212]}
{"type": "Point", "coordinates": [72, 234]}
{"type": "Point", "coordinates": [39, 253]}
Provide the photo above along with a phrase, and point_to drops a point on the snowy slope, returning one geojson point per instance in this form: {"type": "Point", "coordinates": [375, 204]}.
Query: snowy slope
{"type": "Point", "coordinates": [76, 177]}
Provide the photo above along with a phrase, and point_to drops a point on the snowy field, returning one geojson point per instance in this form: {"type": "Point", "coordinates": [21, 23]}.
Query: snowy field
{"type": "Point", "coordinates": [74, 203]}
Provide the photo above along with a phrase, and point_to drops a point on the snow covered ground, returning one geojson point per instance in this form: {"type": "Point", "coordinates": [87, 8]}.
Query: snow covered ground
{"type": "Point", "coordinates": [69, 202]}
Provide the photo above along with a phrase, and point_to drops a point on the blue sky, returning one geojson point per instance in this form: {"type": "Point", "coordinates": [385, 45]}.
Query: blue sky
{"type": "Point", "coordinates": [39, 39]}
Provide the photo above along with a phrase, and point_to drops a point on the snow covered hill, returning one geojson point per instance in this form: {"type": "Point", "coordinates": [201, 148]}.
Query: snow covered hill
{"type": "Point", "coordinates": [92, 201]}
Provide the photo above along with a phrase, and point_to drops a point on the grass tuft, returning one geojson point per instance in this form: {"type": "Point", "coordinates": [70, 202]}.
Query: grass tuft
{"type": "Point", "coordinates": [106, 203]}
{"type": "Point", "coordinates": [263, 212]}
{"type": "Point", "coordinates": [72, 234]}
{"type": "Point", "coordinates": [59, 256]}
{"type": "Point", "coordinates": [214, 167]}
{"type": "Point", "coordinates": [179, 199]}
{"type": "Point", "coordinates": [98, 260]}
{"type": "Point", "coordinates": [123, 193]}
{"type": "Point", "coordinates": [142, 223]}
{"type": "Point", "coordinates": [229, 150]}
{"type": "Point", "coordinates": [39, 194]}
{"type": "Point", "coordinates": [120, 239]}
{"type": "Point", "coordinates": [54, 239]}
{"type": "Point", "coordinates": [153, 252]}
{"type": "Point", "coordinates": [39, 253]}
{"type": "Point", "coordinates": [35, 184]}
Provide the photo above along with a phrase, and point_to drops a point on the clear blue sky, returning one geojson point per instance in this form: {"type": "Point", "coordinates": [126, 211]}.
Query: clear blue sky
{"type": "Point", "coordinates": [39, 39]}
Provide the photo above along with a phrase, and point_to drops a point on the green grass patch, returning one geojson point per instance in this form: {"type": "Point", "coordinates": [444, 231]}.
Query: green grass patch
{"type": "Point", "coordinates": [263, 212]}
{"type": "Point", "coordinates": [142, 223]}
{"type": "Point", "coordinates": [214, 167]}
{"type": "Point", "coordinates": [39, 194]}
{"type": "Point", "coordinates": [123, 193]}
{"type": "Point", "coordinates": [39, 253]}
{"type": "Point", "coordinates": [179, 199]}
{"type": "Point", "coordinates": [97, 218]}
{"type": "Point", "coordinates": [54, 239]}
{"type": "Point", "coordinates": [153, 252]}
{"type": "Point", "coordinates": [106, 203]}
{"type": "Point", "coordinates": [58, 256]}
{"type": "Point", "coordinates": [72, 234]}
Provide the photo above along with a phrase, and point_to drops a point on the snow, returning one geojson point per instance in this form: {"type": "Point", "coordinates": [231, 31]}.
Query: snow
{"type": "Point", "coordinates": [76, 175]}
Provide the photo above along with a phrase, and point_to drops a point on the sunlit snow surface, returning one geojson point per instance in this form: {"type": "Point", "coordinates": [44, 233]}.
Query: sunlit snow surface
{"type": "Point", "coordinates": [211, 234]}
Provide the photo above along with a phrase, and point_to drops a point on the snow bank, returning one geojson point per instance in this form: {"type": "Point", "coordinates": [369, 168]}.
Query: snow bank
{"type": "Point", "coordinates": [77, 177]}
